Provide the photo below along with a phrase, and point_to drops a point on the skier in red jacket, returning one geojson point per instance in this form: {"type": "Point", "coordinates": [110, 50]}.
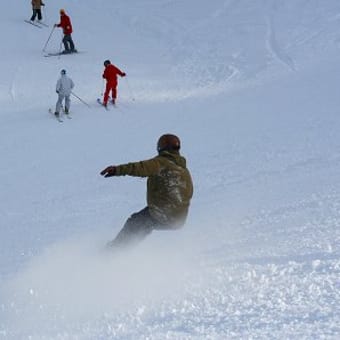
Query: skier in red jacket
{"type": "Point", "coordinates": [66, 25]}
{"type": "Point", "coordinates": [110, 74]}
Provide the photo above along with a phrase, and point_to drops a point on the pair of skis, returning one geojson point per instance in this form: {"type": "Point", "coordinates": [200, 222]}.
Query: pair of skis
{"type": "Point", "coordinates": [58, 54]}
{"type": "Point", "coordinates": [38, 24]}
{"type": "Point", "coordinates": [120, 107]}
{"type": "Point", "coordinates": [58, 117]}
{"type": "Point", "coordinates": [100, 102]}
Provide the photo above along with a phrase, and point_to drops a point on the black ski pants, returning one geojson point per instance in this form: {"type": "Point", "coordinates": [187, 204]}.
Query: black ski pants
{"type": "Point", "coordinates": [68, 43]}
{"type": "Point", "coordinates": [136, 228]}
{"type": "Point", "coordinates": [36, 12]}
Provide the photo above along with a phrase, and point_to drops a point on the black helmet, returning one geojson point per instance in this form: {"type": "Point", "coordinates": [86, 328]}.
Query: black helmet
{"type": "Point", "coordinates": [107, 62]}
{"type": "Point", "coordinates": [168, 142]}
{"type": "Point", "coordinates": [63, 71]}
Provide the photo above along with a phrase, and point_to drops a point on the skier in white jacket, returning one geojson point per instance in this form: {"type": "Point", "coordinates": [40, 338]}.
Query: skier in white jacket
{"type": "Point", "coordinates": [64, 88]}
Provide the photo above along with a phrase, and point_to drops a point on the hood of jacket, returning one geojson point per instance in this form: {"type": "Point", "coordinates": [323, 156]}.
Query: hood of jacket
{"type": "Point", "coordinates": [174, 156]}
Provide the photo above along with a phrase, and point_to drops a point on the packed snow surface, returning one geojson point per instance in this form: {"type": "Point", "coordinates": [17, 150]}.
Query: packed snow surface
{"type": "Point", "coordinates": [252, 89]}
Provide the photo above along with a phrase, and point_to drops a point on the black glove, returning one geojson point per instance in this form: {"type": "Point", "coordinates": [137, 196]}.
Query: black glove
{"type": "Point", "coordinates": [123, 74]}
{"type": "Point", "coordinates": [109, 171]}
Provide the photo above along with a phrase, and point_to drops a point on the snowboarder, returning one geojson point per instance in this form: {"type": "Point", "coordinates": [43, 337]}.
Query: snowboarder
{"type": "Point", "coordinates": [110, 74]}
{"type": "Point", "coordinates": [169, 191]}
{"type": "Point", "coordinates": [36, 7]}
{"type": "Point", "coordinates": [64, 88]}
{"type": "Point", "coordinates": [66, 25]}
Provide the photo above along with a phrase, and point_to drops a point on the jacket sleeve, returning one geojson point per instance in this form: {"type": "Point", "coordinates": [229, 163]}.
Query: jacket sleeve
{"type": "Point", "coordinates": [104, 74]}
{"type": "Point", "coordinates": [139, 169]}
{"type": "Point", "coordinates": [58, 86]}
{"type": "Point", "coordinates": [118, 71]}
{"type": "Point", "coordinates": [72, 84]}
{"type": "Point", "coordinates": [64, 22]}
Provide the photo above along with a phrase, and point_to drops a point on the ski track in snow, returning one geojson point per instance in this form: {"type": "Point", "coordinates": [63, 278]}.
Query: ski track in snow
{"type": "Point", "coordinates": [275, 48]}
{"type": "Point", "coordinates": [12, 90]}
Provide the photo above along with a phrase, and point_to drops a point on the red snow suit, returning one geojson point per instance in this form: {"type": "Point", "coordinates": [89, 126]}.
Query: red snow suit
{"type": "Point", "coordinates": [110, 74]}
{"type": "Point", "coordinates": [65, 24]}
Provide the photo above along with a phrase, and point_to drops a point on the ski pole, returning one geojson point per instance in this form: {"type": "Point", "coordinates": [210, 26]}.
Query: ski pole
{"type": "Point", "coordinates": [129, 87]}
{"type": "Point", "coordinates": [48, 39]}
{"type": "Point", "coordinates": [103, 83]}
{"type": "Point", "coordinates": [88, 105]}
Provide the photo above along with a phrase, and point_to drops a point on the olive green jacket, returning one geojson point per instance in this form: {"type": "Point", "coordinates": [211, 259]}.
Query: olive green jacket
{"type": "Point", "coordinates": [169, 186]}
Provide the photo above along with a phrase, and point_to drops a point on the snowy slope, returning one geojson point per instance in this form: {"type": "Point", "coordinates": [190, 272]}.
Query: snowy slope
{"type": "Point", "coordinates": [251, 87]}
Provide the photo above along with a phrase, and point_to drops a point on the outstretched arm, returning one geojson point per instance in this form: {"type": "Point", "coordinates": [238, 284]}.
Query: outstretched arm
{"type": "Point", "coordinates": [119, 72]}
{"type": "Point", "coordinates": [139, 169]}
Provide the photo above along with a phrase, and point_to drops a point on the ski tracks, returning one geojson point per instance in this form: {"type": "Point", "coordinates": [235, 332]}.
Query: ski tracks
{"type": "Point", "coordinates": [274, 47]}
{"type": "Point", "coordinates": [12, 87]}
